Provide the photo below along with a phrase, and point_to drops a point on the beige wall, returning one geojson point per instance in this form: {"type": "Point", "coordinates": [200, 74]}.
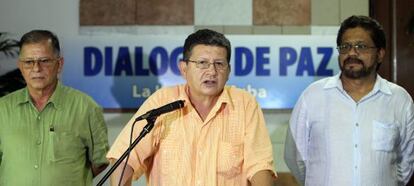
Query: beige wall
{"type": "Point", "coordinates": [248, 17]}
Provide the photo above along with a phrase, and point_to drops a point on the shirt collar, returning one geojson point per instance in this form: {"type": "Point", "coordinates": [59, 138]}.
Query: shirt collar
{"type": "Point", "coordinates": [224, 97]}
{"type": "Point", "coordinates": [54, 100]}
{"type": "Point", "coordinates": [23, 97]}
{"type": "Point", "coordinates": [380, 84]}
{"type": "Point", "coordinates": [57, 96]}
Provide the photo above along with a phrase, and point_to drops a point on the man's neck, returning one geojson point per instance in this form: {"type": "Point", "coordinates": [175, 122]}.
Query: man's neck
{"type": "Point", "coordinates": [203, 105]}
{"type": "Point", "coordinates": [40, 97]}
{"type": "Point", "coordinates": [358, 88]}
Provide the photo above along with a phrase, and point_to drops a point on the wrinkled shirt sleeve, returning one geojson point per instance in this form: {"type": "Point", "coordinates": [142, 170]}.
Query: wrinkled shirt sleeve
{"type": "Point", "coordinates": [405, 167]}
{"type": "Point", "coordinates": [296, 142]}
{"type": "Point", "coordinates": [98, 143]}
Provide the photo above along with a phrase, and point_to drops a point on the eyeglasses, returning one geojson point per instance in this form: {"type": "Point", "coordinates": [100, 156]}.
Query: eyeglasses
{"type": "Point", "coordinates": [359, 47]}
{"type": "Point", "coordinates": [43, 62]}
{"type": "Point", "coordinates": [220, 65]}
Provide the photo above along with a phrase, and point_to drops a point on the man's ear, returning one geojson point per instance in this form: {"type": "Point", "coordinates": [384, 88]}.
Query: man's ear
{"type": "Point", "coordinates": [61, 61]}
{"type": "Point", "coordinates": [183, 68]}
{"type": "Point", "coordinates": [19, 65]}
{"type": "Point", "coordinates": [381, 54]}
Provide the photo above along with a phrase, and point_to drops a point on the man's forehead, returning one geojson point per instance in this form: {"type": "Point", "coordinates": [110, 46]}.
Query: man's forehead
{"type": "Point", "coordinates": [35, 50]}
{"type": "Point", "coordinates": [357, 34]}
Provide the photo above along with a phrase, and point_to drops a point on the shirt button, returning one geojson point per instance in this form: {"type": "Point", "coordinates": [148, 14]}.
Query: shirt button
{"type": "Point", "coordinates": [38, 117]}
{"type": "Point", "coordinates": [357, 124]}
{"type": "Point", "coordinates": [38, 142]}
{"type": "Point", "coordinates": [356, 146]}
{"type": "Point", "coordinates": [198, 182]}
{"type": "Point", "coordinates": [356, 167]}
{"type": "Point", "coordinates": [200, 153]}
{"type": "Point", "coordinates": [36, 166]}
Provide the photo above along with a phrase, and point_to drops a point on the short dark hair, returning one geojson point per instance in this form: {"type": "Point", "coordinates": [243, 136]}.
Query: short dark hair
{"type": "Point", "coordinates": [36, 36]}
{"type": "Point", "coordinates": [206, 37]}
{"type": "Point", "coordinates": [369, 24]}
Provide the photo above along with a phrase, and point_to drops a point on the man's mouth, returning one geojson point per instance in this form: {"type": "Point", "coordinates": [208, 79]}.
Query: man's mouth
{"type": "Point", "coordinates": [37, 78]}
{"type": "Point", "coordinates": [210, 82]}
{"type": "Point", "coordinates": [350, 61]}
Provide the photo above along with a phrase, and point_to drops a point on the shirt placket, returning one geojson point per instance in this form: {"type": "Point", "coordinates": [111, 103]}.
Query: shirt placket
{"type": "Point", "coordinates": [37, 139]}
{"type": "Point", "coordinates": [200, 155]}
{"type": "Point", "coordinates": [356, 145]}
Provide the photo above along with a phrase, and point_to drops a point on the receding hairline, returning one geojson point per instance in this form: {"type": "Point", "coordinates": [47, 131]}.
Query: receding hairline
{"type": "Point", "coordinates": [45, 40]}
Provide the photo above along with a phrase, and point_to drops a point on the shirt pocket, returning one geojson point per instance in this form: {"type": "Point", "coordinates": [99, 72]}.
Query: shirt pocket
{"type": "Point", "coordinates": [65, 147]}
{"type": "Point", "coordinates": [229, 159]}
{"type": "Point", "coordinates": [384, 136]}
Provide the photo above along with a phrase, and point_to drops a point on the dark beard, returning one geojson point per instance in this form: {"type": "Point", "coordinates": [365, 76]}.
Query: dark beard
{"type": "Point", "coordinates": [357, 74]}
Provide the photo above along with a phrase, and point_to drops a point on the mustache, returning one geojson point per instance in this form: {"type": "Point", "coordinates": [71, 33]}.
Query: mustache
{"type": "Point", "coordinates": [353, 60]}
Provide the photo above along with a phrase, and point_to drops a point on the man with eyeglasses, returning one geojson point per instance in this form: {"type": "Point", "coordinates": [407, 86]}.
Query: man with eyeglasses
{"type": "Point", "coordinates": [355, 128]}
{"type": "Point", "coordinates": [218, 138]}
{"type": "Point", "coordinates": [50, 134]}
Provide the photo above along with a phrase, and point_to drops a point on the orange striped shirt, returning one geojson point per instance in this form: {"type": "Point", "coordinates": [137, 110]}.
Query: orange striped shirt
{"type": "Point", "coordinates": [227, 148]}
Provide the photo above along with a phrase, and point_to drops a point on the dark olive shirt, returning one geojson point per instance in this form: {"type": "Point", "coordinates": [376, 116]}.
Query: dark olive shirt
{"type": "Point", "coordinates": [55, 146]}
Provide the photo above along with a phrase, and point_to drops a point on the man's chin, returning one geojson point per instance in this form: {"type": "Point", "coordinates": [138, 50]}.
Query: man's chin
{"type": "Point", "coordinates": [353, 74]}
{"type": "Point", "coordinates": [212, 92]}
{"type": "Point", "coordinates": [37, 86]}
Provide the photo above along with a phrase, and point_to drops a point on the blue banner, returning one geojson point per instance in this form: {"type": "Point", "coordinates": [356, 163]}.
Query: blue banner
{"type": "Point", "coordinates": [122, 71]}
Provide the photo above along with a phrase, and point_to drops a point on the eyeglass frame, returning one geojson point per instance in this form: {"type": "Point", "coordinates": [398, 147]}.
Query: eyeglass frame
{"type": "Point", "coordinates": [215, 64]}
{"type": "Point", "coordinates": [359, 48]}
{"type": "Point", "coordinates": [43, 62]}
